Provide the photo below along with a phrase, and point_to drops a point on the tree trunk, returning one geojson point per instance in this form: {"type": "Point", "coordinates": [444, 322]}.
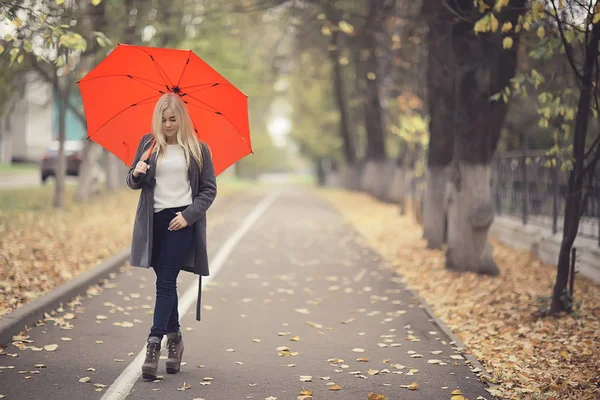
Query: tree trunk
{"type": "Point", "coordinates": [574, 203]}
{"type": "Point", "coordinates": [342, 103]}
{"type": "Point", "coordinates": [434, 207]}
{"type": "Point", "coordinates": [320, 171]}
{"type": "Point", "coordinates": [372, 106]}
{"type": "Point", "coordinates": [61, 165]}
{"type": "Point", "coordinates": [341, 96]}
{"type": "Point", "coordinates": [111, 166]}
{"type": "Point", "coordinates": [87, 171]}
{"type": "Point", "coordinates": [5, 142]}
{"type": "Point", "coordinates": [469, 218]}
{"type": "Point", "coordinates": [482, 68]}
{"type": "Point", "coordinates": [440, 98]}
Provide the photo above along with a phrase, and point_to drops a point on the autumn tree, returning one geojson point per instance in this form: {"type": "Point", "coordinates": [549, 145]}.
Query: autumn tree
{"type": "Point", "coordinates": [478, 63]}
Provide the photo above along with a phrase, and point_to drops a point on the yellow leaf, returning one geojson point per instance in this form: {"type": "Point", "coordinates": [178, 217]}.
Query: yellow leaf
{"type": "Point", "coordinates": [482, 6]}
{"type": "Point", "coordinates": [306, 392]}
{"type": "Point", "coordinates": [59, 2]}
{"type": "Point", "coordinates": [494, 23]}
{"type": "Point", "coordinates": [371, 76]}
{"type": "Point", "coordinates": [375, 396]}
{"type": "Point", "coordinates": [507, 42]}
{"type": "Point", "coordinates": [51, 347]}
{"type": "Point", "coordinates": [1, 49]}
{"type": "Point", "coordinates": [457, 391]}
{"type": "Point", "coordinates": [500, 4]}
{"type": "Point", "coordinates": [506, 27]}
{"type": "Point", "coordinates": [412, 386]}
{"type": "Point", "coordinates": [596, 18]}
{"type": "Point", "coordinates": [457, 398]}
{"type": "Point", "coordinates": [85, 380]}
{"type": "Point", "coordinates": [335, 387]}
{"type": "Point", "coordinates": [483, 25]}
{"type": "Point", "coordinates": [346, 27]}
{"type": "Point", "coordinates": [541, 32]}
{"type": "Point", "coordinates": [96, 2]}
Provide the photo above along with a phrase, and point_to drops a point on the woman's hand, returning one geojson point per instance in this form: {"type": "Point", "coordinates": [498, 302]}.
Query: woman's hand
{"type": "Point", "coordinates": [140, 169]}
{"type": "Point", "coordinates": [178, 222]}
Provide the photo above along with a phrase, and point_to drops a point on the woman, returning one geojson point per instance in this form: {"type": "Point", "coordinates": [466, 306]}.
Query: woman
{"type": "Point", "coordinates": [175, 172]}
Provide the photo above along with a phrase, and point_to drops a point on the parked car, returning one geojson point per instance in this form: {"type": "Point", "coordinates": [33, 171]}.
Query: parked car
{"type": "Point", "coordinates": [73, 154]}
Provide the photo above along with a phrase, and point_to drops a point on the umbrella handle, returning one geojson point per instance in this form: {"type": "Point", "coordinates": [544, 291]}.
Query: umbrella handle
{"type": "Point", "coordinates": [150, 152]}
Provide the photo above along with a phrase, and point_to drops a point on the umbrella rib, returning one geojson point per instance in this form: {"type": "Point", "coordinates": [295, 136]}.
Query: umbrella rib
{"type": "Point", "coordinates": [184, 67]}
{"type": "Point", "coordinates": [125, 109]}
{"type": "Point", "coordinates": [200, 101]}
{"type": "Point", "coordinates": [216, 112]}
{"type": "Point", "coordinates": [204, 88]}
{"type": "Point", "coordinates": [161, 72]}
{"type": "Point", "coordinates": [127, 75]}
{"type": "Point", "coordinates": [200, 84]}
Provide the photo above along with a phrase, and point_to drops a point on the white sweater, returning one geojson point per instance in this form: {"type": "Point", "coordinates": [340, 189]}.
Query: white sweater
{"type": "Point", "coordinates": [172, 182]}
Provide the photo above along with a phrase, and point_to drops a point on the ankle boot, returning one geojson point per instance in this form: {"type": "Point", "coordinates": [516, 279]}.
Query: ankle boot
{"type": "Point", "coordinates": [175, 349]}
{"type": "Point", "coordinates": [150, 366]}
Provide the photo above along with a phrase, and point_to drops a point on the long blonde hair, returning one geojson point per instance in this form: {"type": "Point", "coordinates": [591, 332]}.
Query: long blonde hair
{"type": "Point", "coordinates": [185, 136]}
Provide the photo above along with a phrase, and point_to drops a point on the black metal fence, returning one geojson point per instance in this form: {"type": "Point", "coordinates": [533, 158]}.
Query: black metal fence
{"type": "Point", "coordinates": [532, 186]}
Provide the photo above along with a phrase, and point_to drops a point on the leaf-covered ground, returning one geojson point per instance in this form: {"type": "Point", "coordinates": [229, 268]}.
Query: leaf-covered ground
{"type": "Point", "coordinates": [41, 247]}
{"type": "Point", "coordinates": [526, 357]}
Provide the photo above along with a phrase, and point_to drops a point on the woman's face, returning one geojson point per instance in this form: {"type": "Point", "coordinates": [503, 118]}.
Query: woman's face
{"type": "Point", "coordinates": [170, 124]}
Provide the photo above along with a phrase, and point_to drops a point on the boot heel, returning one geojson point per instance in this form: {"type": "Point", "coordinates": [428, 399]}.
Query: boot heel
{"type": "Point", "coordinates": [149, 373]}
{"type": "Point", "coordinates": [173, 368]}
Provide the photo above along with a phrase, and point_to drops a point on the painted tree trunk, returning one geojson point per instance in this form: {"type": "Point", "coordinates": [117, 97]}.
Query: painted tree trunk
{"type": "Point", "coordinates": [481, 68]}
{"type": "Point", "coordinates": [111, 166]}
{"type": "Point", "coordinates": [470, 217]}
{"type": "Point", "coordinates": [440, 100]}
{"type": "Point", "coordinates": [88, 171]}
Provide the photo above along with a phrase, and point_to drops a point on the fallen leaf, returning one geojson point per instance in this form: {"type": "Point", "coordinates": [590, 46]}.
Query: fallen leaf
{"type": "Point", "coordinates": [184, 387]}
{"type": "Point", "coordinates": [412, 386]}
{"type": "Point", "coordinates": [335, 387]}
{"type": "Point", "coordinates": [85, 380]}
{"type": "Point", "coordinates": [51, 347]}
{"type": "Point", "coordinates": [358, 350]}
{"type": "Point", "coordinates": [375, 396]}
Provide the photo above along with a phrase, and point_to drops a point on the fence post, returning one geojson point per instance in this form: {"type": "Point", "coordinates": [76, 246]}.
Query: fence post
{"type": "Point", "coordinates": [555, 193]}
{"type": "Point", "coordinates": [525, 182]}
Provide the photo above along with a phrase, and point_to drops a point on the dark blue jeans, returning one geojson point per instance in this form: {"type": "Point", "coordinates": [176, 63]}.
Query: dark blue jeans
{"type": "Point", "coordinates": [169, 249]}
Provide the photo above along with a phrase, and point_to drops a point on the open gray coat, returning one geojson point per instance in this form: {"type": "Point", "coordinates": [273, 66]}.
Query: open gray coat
{"type": "Point", "coordinates": [204, 190]}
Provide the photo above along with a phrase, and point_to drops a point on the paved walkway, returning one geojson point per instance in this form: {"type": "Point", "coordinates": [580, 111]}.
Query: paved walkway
{"type": "Point", "coordinates": [296, 305]}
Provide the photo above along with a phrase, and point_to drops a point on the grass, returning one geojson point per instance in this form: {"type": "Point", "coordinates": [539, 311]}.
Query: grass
{"type": "Point", "coordinates": [18, 168]}
{"type": "Point", "coordinates": [37, 198]}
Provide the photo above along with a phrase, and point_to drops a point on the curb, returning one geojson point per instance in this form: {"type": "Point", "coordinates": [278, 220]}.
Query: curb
{"type": "Point", "coordinates": [444, 328]}
{"type": "Point", "coordinates": [30, 313]}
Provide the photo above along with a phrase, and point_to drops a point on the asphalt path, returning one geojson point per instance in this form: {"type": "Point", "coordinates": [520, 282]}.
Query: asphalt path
{"type": "Point", "coordinates": [296, 302]}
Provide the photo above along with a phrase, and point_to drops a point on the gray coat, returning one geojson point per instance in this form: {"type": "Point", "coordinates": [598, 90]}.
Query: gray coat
{"type": "Point", "coordinates": [204, 190]}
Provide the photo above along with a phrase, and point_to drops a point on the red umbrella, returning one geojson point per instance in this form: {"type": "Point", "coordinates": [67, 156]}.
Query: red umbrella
{"type": "Point", "coordinates": [120, 93]}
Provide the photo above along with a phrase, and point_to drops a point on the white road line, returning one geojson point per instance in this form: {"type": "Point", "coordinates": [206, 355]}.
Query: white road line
{"type": "Point", "coordinates": [124, 382]}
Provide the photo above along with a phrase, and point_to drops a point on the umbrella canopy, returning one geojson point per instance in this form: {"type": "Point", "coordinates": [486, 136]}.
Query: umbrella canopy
{"type": "Point", "coordinates": [120, 93]}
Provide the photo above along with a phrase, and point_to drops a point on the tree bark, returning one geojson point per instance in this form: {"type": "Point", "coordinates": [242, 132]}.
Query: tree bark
{"type": "Point", "coordinates": [574, 204]}
{"type": "Point", "coordinates": [111, 166]}
{"type": "Point", "coordinates": [88, 171]}
{"type": "Point", "coordinates": [342, 101]}
{"type": "Point", "coordinates": [440, 100]}
{"type": "Point", "coordinates": [340, 91]}
{"type": "Point", "coordinates": [62, 96]}
{"type": "Point", "coordinates": [482, 68]}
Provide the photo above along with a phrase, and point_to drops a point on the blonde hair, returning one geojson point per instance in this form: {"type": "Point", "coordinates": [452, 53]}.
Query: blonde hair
{"type": "Point", "coordinates": [185, 136]}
